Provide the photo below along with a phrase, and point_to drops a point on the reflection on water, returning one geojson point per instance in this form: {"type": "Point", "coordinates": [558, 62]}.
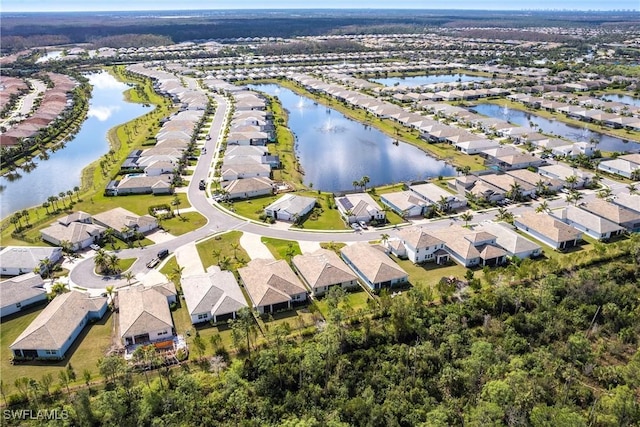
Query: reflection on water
{"type": "Point", "coordinates": [60, 169]}
{"type": "Point", "coordinates": [622, 98]}
{"type": "Point", "coordinates": [541, 124]}
{"type": "Point", "coordinates": [334, 151]}
{"type": "Point", "coordinates": [430, 79]}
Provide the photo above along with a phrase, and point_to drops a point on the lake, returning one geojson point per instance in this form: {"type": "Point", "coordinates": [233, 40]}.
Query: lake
{"type": "Point", "coordinates": [622, 98]}
{"type": "Point", "coordinates": [413, 81]}
{"type": "Point", "coordinates": [573, 133]}
{"type": "Point", "coordinates": [62, 171]}
{"type": "Point", "coordinates": [334, 150]}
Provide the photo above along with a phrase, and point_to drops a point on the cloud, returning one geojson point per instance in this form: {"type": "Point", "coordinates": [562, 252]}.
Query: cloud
{"type": "Point", "coordinates": [105, 81]}
{"type": "Point", "coordinates": [102, 113]}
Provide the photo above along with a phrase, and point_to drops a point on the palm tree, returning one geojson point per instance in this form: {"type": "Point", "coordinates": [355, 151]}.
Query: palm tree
{"type": "Point", "coordinates": [108, 237]}
{"type": "Point", "coordinates": [61, 196]}
{"type": "Point", "coordinates": [176, 273]}
{"type": "Point", "coordinates": [52, 201]}
{"type": "Point", "coordinates": [46, 206]}
{"type": "Point", "coordinates": [572, 180]}
{"type": "Point", "coordinates": [515, 192]}
{"type": "Point", "coordinates": [25, 214]}
{"type": "Point", "coordinates": [100, 260]}
{"type": "Point", "coordinates": [216, 254]}
{"type": "Point", "coordinates": [466, 217]}
{"type": "Point", "coordinates": [543, 207]}
{"type": "Point", "coordinates": [70, 193]}
{"type": "Point", "coordinates": [45, 266]}
{"type": "Point", "coordinates": [365, 180]}
{"type": "Point", "coordinates": [113, 261]}
{"type": "Point", "coordinates": [574, 196]}
{"type": "Point", "coordinates": [443, 204]}
{"type": "Point", "coordinates": [541, 187]}
{"type": "Point", "coordinates": [605, 193]}
{"type": "Point", "coordinates": [504, 215]}
{"type": "Point", "coordinates": [632, 189]}
{"type": "Point", "coordinates": [235, 246]}
{"type": "Point", "coordinates": [176, 202]}
{"type": "Point", "coordinates": [355, 184]}
{"type": "Point", "coordinates": [129, 276]}
{"type": "Point", "coordinates": [384, 238]}
{"type": "Point", "coordinates": [76, 189]}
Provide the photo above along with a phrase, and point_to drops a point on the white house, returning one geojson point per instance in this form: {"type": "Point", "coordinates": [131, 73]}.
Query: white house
{"type": "Point", "coordinates": [323, 269]}
{"type": "Point", "coordinates": [359, 207]}
{"type": "Point", "coordinates": [124, 222]}
{"type": "Point", "coordinates": [15, 260]}
{"type": "Point", "coordinates": [214, 296]}
{"type": "Point", "coordinates": [421, 246]}
{"type": "Point", "coordinates": [548, 230]}
{"type": "Point", "coordinates": [272, 285]}
{"type": "Point", "coordinates": [249, 187]}
{"type": "Point", "coordinates": [471, 247]}
{"type": "Point", "coordinates": [20, 292]}
{"type": "Point", "coordinates": [591, 224]}
{"type": "Point", "coordinates": [507, 238]}
{"type": "Point", "coordinates": [289, 207]}
{"type": "Point", "coordinates": [54, 330]}
{"type": "Point", "coordinates": [79, 234]}
{"type": "Point", "coordinates": [434, 194]}
{"type": "Point", "coordinates": [405, 203]}
{"type": "Point", "coordinates": [144, 316]}
{"type": "Point", "coordinates": [373, 266]}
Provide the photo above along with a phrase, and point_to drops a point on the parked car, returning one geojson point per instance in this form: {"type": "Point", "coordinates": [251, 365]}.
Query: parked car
{"type": "Point", "coordinates": [153, 263]}
{"type": "Point", "coordinates": [202, 185]}
{"type": "Point", "coordinates": [356, 226]}
{"type": "Point", "coordinates": [94, 247]}
{"type": "Point", "coordinates": [163, 253]}
{"type": "Point", "coordinates": [363, 225]}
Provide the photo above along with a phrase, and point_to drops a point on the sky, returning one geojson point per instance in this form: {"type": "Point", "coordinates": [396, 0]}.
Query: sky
{"type": "Point", "coordinates": [121, 5]}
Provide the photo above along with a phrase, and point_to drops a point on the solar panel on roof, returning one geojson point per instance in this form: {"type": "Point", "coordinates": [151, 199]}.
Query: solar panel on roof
{"type": "Point", "coordinates": [346, 203]}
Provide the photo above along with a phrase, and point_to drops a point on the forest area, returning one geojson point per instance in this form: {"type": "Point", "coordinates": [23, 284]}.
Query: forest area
{"type": "Point", "coordinates": [556, 351]}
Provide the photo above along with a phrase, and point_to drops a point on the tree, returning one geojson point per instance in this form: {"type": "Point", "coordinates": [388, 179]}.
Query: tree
{"type": "Point", "coordinates": [45, 266]}
{"type": "Point", "coordinates": [515, 192]}
{"type": "Point", "coordinates": [235, 246]}
{"type": "Point", "coordinates": [466, 217]}
{"type": "Point", "coordinates": [504, 215]}
{"type": "Point", "coordinates": [199, 345]}
{"type": "Point", "coordinates": [109, 237]}
{"type": "Point", "coordinates": [572, 180]}
{"type": "Point", "coordinates": [355, 184]}
{"type": "Point", "coordinates": [176, 202]}
{"type": "Point", "coordinates": [365, 180]}
{"type": "Point", "coordinates": [384, 238]}
{"type": "Point", "coordinates": [216, 253]}
{"type": "Point", "coordinates": [26, 215]}
{"type": "Point", "coordinates": [543, 207]}
{"type": "Point", "coordinates": [632, 189]}
{"type": "Point", "coordinates": [86, 375]}
{"type": "Point", "coordinates": [574, 197]}
{"type": "Point", "coordinates": [61, 196]}
{"type": "Point", "coordinates": [605, 193]}
{"type": "Point", "coordinates": [46, 206]}
{"type": "Point", "coordinates": [129, 276]}
{"type": "Point", "coordinates": [45, 383]}
{"type": "Point", "coordinates": [76, 190]}
{"type": "Point", "coordinates": [63, 376]}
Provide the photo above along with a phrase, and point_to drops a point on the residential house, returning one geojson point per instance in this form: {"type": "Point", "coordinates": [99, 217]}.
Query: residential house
{"type": "Point", "coordinates": [627, 166]}
{"type": "Point", "coordinates": [508, 184]}
{"type": "Point", "coordinates": [587, 222]}
{"type": "Point", "coordinates": [405, 203]}
{"type": "Point", "coordinates": [144, 315]}
{"type": "Point", "coordinates": [627, 218]}
{"type": "Point", "coordinates": [548, 230]}
{"type": "Point", "coordinates": [564, 174]}
{"type": "Point", "coordinates": [436, 195]}
{"type": "Point", "coordinates": [359, 207]}
{"type": "Point", "coordinates": [541, 183]}
{"type": "Point", "coordinates": [55, 329]}
{"type": "Point", "coordinates": [231, 172]}
{"type": "Point", "coordinates": [249, 187]}
{"type": "Point", "coordinates": [20, 292]}
{"type": "Point", "coordinates": [373, 266]}
{"type": "Point", "coordinates": [290, 207]}
{"type": "Point", "coordinates": [213, 296]}
{"type": "Point", "coordinates": [78, 234]}
{"type": "Point", "coordinates": [469, 247]}
{"type": "Point", "coordinates": [419, 246]}
{"type": "Point", "coordinates": [125, 223]}
{"type": "Point", "coordinates": [322, 269]}
{"type": "Point", "coordinates": [507, 238]}
{"type": "Point", "coordinates": [272, 285]}
{"type": "Point", "coordinates": [16, 260]}
{"type": "Point", "coordinates": [629, 201]}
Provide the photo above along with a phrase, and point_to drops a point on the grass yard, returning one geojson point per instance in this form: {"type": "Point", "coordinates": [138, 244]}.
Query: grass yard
{"type": "Point", "coordinates": [186, 222]}
{"type": "Point", "coordinates": [333, 246]}
{"type": "Point", "coordinates": [282, 249]}
{"type": "Point", "coordinates": [429, 274]}
{"type": "Point", "coordinates": [90, 345]}
{"type": "Point", "coordinates": [354, 301]}
{"type": "Point", "coordinates": [182, 323]}
{"type": "Point", "coordinates": [223, 245]}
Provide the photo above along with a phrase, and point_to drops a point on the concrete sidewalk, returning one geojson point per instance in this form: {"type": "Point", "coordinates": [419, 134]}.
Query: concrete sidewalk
{"type": "Point", "coordinates": [308, 247]}
{"type": "Point", "coordinates": [254, 247]}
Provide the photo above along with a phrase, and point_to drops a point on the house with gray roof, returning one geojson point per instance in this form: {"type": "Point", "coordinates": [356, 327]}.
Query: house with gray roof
{"type": "Point", "coordinates": [359, 207]}
{"type": "Point", "coordinates": [629, 201]}
{"type": "Point", "coordinates": [144, 315]}
{"type": "Point", "coordinates": [405, 203]}
{"type": "Point", "coordinates": [433, 194]}
{"type": "Point", "coordinates": [272, 285]}
{"type": "Point", "coordinates": [248, 187]}
{"type": "Point", "coordinates": [15, 260]}
{"type": "Point", "coordinates": [20, 292]}
{"type": "Point", "coordinates": [471, 247]}
{"type": "Point", "coordinates": [289, 207]}
{"type": "Point", "coordinates": [620, 215]}
{"type": "Point", "coordinates": [373, 266]}
{"type": "Point", "coordinates": [507, 238]}
{"type": "Point", "coordinates": [323, 269]}
{"type": "Point", "coordinates": [79, 234]}
{"type": "Point", "coordinates": [125, 223]}
{"type": "Point", "coordinates": [54, 330]}
{"type": "Point", "coordinates": [213, 296]}
{"type": "Point", "coordinates": [548, 230]}
{"type": "Point", "coordinates": [589, 223]}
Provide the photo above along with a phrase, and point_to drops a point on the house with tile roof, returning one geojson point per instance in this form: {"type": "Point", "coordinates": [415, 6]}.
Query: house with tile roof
{"type": "Point", "coordinates": [125, 223]}
{"type": "Point", "coordinates": [322, 269]}
{"type": "Point", "coordinates": [289, 207]}
{"type": "Point", "coordinates": [54, 330]}
{"type": "Point", "coordinates": [625, 217]}
{"type": "Point", "coordinates": [507, 238]}
{"type": "Point", "coordinates": [405, 203]}
{"type": "Point", "coordinates": [272, 285]}
{"type": "Point", "coordinates": [359, 207]}
{"type": "Point", "coordinates": [471, 247]}
{"type": "Point", "coordinates": [144, 315]}
{"type": "Point", "coordinates": [548, 230]}
{"type": "Point", "coordinates": [373, 266]}
{"type": "Point", "coordinates": [419, 246]}
{"type": "Point", "coordinates": [213, 296]}
{"type": "Point", "coordinates": [591, 224]}
{"type": "Point", "coordinates": [20, 292]}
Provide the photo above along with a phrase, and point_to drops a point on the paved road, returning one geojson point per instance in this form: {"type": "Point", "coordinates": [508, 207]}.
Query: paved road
{"type": "Point", "coordinates": [219, 220]}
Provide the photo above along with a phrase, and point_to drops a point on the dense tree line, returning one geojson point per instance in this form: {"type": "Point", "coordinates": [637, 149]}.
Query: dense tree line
{"type": "Point", "coordinates": [310, 47]}
{"type": "Point", "coordinates": [132, 40]}
{"type": "Point", "coordinates": [561, 351]}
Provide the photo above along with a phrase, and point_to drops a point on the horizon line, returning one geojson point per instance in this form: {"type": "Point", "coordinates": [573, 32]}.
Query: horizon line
{"type": "Point", "coordinates": [329, 8]}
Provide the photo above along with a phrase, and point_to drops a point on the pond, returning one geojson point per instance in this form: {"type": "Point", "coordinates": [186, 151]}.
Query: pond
{"type": "Point", "coordinates": [622, 98]}
{"type": "Point", "coordinates": [62, 170]}
{"type": "Point", "coordinates": [573, 133]}
{"type": "Point", "coordinates": [334, 150]}
{"type": "Point", "coordinates": [413, 81]}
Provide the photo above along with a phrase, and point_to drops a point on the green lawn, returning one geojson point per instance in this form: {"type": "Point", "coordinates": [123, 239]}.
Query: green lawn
{"type": "Point", "coordinates": [90, 345]}
{"type": "Point", "coordinates": [282, 249]}
{"type": "Point", "coordinates": [184, 223]}
{"type": "Point", "coordinates": [182, 323]}
{"type": "Point", "coordinates": [333, 246]}
{"type": "Point", "coordinates": [354, 301]}
{"type": "Point", "coordinates": [322, 218]}
{"type": "Point", "coordinates": [126, 263]}
{"type": "Point", "coordinates": [224, 243]}
{"type": "Point", "coordinates": [429, 274]}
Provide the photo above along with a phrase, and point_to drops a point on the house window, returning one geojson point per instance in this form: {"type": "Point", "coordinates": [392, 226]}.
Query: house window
{"type": "Point", "coordinates": [18, 305]}
{"type": "Point", "coordinates": [202, 316]}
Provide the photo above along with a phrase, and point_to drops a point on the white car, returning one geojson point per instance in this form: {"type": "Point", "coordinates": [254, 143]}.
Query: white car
{"type": "Point", "coordinates": [94, 247]}
{"type": "Point", "coordinates": [356, 226]}
{"type": "Point", "coordinates": [363, 225]}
